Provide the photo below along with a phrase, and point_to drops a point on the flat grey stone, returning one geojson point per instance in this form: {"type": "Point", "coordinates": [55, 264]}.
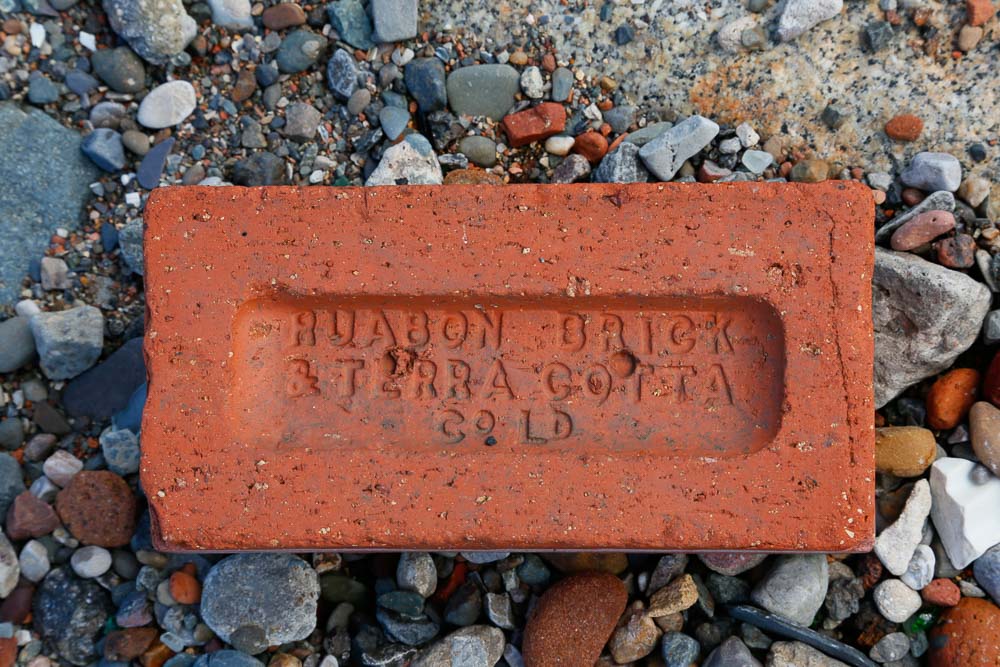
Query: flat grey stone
{"type": "Point", "coordinates": [68, 341]}
{"type": "Point", "coordinates": [794, 588]}
{"type": "Point", "coordinates": [895, 545]}
{"type": "Point", "coordinates": [925, 315]}
{"type": "Point", "coordinates": [50, 193]}
{"type": "Point", "coordinates": [933, 171]}
{"type": "Point", "coordinates": [393, 121]}
{"type": "Point", "coordinates": [349, 19]}
{"type": "Point", "coordinates": [394, 20]}
{"type": "Point", "coordinates": [17, 344]}
{"type": "Point", "coordinates": [156, 30]}
{"type": "Point", "coordinates": [483, 90]}
{"type": "Point", "coordinates": [986, 569]}
{"type": "Point", "coordinates": [105, 149]}
{"type": "Point", "coordinates": [416, 572]}
{"type": "Point", "coordinates": [799, 16]}
{"type": "Point", "coordinates": [797, 654]}
{"type": "Point", "coordinates": [473, 646]}
{"type": "Point", "coordinates": [621, 165]}
{"type": "Point", "coordinates": [665, 154]}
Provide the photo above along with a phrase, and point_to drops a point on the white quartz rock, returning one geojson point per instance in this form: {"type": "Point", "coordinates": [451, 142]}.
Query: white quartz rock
{"type": "Point", "coordinates": [896, 544]}
{"type": "Point", "coordinates": [964, 509]}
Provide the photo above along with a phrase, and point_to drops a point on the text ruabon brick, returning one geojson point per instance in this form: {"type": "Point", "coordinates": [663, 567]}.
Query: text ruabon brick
{"type": "Point", "coordinates": [649, 366]}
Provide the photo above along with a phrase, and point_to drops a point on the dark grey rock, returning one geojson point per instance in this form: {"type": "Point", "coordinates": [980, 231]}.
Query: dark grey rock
{"type": "Point", "coordinates": [349, 19]}
{"type": "Point", "coordinates": [301, 121]}
{"type": "Point", "coordinates": [481, 151]}
{"type": "Point", "coordinates": [342, 75]}
{"type": "Point", "coordinates": [731, 653]}
{"type": "Point", "coordinates": [425, 80]}
{"type": "Point", "coordinates": [41, 90]}
{"type": "Point", "coordinates": [151, 168]}
{"type": "Point", "coordinates": [925, 316]}
{"type": "Point", "coordinates": [464, 605]}
{"type": "Point", "coordinates": [80, 82]}
{"type": "Point", "coordinates": [50, 192]}
{"type": "Point", "coordinates": [407, 631]}
{"type": "Point", "coordinates": [105, 389]}
{"type": "Point", "coordinates": [893, 646]}
{"type": "Point", "coordinates": [679, 649]}
{"type": "Point", "coordinates": [130, 242]}
{"type": "Point", "coordinates": [986, 570]}
{"type": "Point", "coordinates": [794, 588]}
{"type": "Point", "coordinates": [262, 168]}
{"type": "Point", "coordinates": [11, 482]}
{"type": "Point", "coordinates": [275, 592]}
{"type": "Point", "coordinates": [11, 434]}
{"type": "Point", "coordinates": [226, 658]}
{"type": "Point", "coordinates": [17, 345]}
{"type": "Point", "coordinates": [621, 165]}
{"type": "Point", "coordinates": [562, 84]}
{"type": "Point", "coordinates": [121, 69]}
{"type": "Point", "coordinates": [104, 148]}
{"type": "Point", "coordinates": [70, 613]}
{"type": "Point", "coordinates": [416, 572]}
{"type": "Point", "coordinates": [394, 20]}
{"type": "Point", "coordinates": [474, 646]}
{"type": "Point", "coordinates": [68, 341]}
{"type": "Point", "coordinates": [573, 169]}
{"type": "Point", "coordinates": [483, 90]}
{"type": "Point", "coordinates": [299, 51]}
{"type": "Point", "coordinates": [407, 604]}
{"type": "Point", "coordinates": [156, 30]}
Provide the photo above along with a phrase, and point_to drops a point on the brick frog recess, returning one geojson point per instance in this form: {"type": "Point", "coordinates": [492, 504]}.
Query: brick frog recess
{"type": "Point", "coordinates": [525, 367]}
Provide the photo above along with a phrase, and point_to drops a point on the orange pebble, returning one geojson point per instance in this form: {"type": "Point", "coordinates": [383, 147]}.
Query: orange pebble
{"type": "Point", "coordinates": [185, 588]}
{"type": "Point", "coordinates": [950, 398]}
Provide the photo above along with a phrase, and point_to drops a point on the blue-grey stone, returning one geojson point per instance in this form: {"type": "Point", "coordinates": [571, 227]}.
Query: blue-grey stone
{"type": "Point", "coordinates": [679, 649]}
{"type": "Point", "coordinates": [157, 30]}
{"type": "Point", "coordinates": [394, 20]}
{"type": "Point", "coordinates": [17, 345]}
{"type": "Point", "coordinates": [932, 172]}
{"type": "Point", "coordinates": [408, 604]}
{"type": "Point", "coordinates": [104, 148]}
{"type": "Point", "coordinates": [120, 69]}
{"type": "Point", "coordinates": [562, 84]}
{"type": "Point", "coordinates": [483, 90]}
{"type": "Point", "coordinates": [130, 416]}
{"type": "Point", "coordinates": [666, 154]}
{"type": "Point", "coordinates": [50, 193]}
{"type": "Point", "coordinates": [342, 75]}
{"type": "Point", "coordinates": [130, 241]}
{"type": "Point", "coordinates": [731, 653]}
{"type": "Point", "coordinates": [533, 571]}
{"type": "Point", "coordinates": [483, 557]}
{"type": "Point", "coordinates": [70, 613]}
{"type": "Point", "coordinates": [267, 74]}
{"type": "Point", "coordinates": [425, 80]}
{"type": "Point", "coordinates": [795, 587]}
{"type": "Point", "coordinates": [481, 151]}
{"type": "Point", "coordinates": [892, 647]}
{"type": "Point", "coordinates": [464, 605]}
{"type": "Point", "coordinates": [299, 51]}
{"type": "Point", "coordinates": [621, 165]}
{"type": "Point", "coordinates": [393, 121]}
{"type": "Point", "coordinates": [349, 19]}
{"type": "Point", "coordinates": [271, 591]}
{"type": "Point", "coordinates": [120, 448]}
{"type": "Point", "coordinates": [226, 658]}
{"type": "Point", "coordinates": [80, 82]}
{"type": "Point", "coordinates": [620, 118]}
{"type": "Point", "coordinates": [407, 631]}
{"type": "Point", "coordinates": [986, 570]}
{"type": "Point", "coordinates": [151, 168]}
{"type": "Point", "coordinates": [11, 481]}
{"type": "Point", "coordinates": [644, 135]}
{"type": "Point", "coordinates": [68, 341]}
{"type": "Point", "coordinates": [41, 90]}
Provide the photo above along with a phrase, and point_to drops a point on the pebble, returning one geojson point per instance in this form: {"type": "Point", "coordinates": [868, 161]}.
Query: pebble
{"type": "Point", "coordinates": [120, 448]}
{"type": "Point", "coordinates": [226, 658]}
{"type": "Point", "coordinates": [573, 619]}
{"type": "Point", "coordinates": [393, 121]}
{"type": "Point", "coordinates": [271, 592]}
{"type": "Point", "coordinates": [104, 148]}
{"type": "Point", "coordinates": [936, 201]}
{"type": "Point", "coordinates": [921, 229]}
{"type": "Point", "coordinates": [342, 75]}
{"type": "Point", "coordinates": [799, 16]}
{"type": "Point", "coordinates": [968, 37]}
{"type": "Point", "coordinates": [17, 344]}
{"type": "Point", "coordinates": [559, 145]}
{"type": "Point", "coordinates": [956, 252]}
{"type": "Point", "coordinates": [129, 644]}
{"type": "Point", "coordinates": [665, 154]}
{"type": "Point", "coordinates": [425, 81]}
{"type": "Point", "coordinates": [120, 69]}
{"type": "Point", "coordinates": [967, 636]}
{"type": "Point", "coordinates": [499, 610]}
{"type": "Point", "coordinates": [794, 588]}
{"type": "Point", "coordinates": [157, 30]}
{"type": "Point", "coordinates": [731, 653]}
{"type": "Point", "coordinates": [963, 510]}
{"type": "Point", "coordinates": [151, 168]}
{"type": "Point", "coordinates": [284, 15]}
{"type": "Point", "coordinates": [941, 592]}
{"type": "Point", "coordinates": [797, 654]}
{"type": "Point", "coordinates": [473, 646]}
{"type": "Point", "coordinates": [986, 570]}
{"type": "Point", "coordinates": [678, 649]}
{"type": "Point", "coordinates": [776, 625]}
{"type": "Point", "coordinates": [904, 451]}
{"type": "Point", "coordinates": [299, 51]}
{"type": "Point", "coordinates": [896, 544]}
{"type": "Point", "coordinates": [350, 20]}
{"type": "Point", "coordinates": [261, 168]}
{"type": "Point", "coordinates": [984, 430]}
{"type": "Point", "coordinates": [978, 12]}
{"type": "Point", "coordinates": [677, 596]}
{"type": "Point", "coordinates": [920, 571]}
{"type": "Point", "coordinates": [756, 161]}
{"type": "Point", "coordinates": [30, 517]}
{"type": "Point", "coordinates": [810, 171]}
{"type": "Point", "coordinates": [480, 150]}
{"type": "Point", "coordinates": [876, 35]}
{"type": "Point", "coordinates": [232, 15]}
{"type": "Point", "coordinates": [69, 341]}
{"type": "Point", "coordinates": [90, 562]}
{"type": "Point", "coordinates": [932, 172]}
{"type": "Point", "coordinates": [532, 83]}
{"type": "Point", "coordinates": [411, 161]}
{"type": "Point", "coordinates": [416, 572]}
{"type": "Point", "coordinates": [359, 101]}
{"type": "Point", "coordinates": [301, 121]}
{"type": "Point", "coordinates": [70, 613]}
{"type": "Point", "coordinates": [61, 467]}
{"type": "Point", "coordinates": [41, 90]}
{"type": "Point", "coordinates": [534, 124]}
{"type": "Point", "coordinates": [610, 562]}
{"type": "Point", "coordinates": [635, 637]}
{"type": "Point", "coordinates": [895, 600]}
{"type": "Point", "coordinates": [573, 169]}
{"type": "Point", "coordinates": [34, 561]}
{"type": "Point", "coordinates": [10, 569]}
{"type": "Point", "coordinates": [394, 20]}
{"type": "Point", "coordinates": [54, 274]}
{"type": "Point", "coordinates": [891, 647]}
{"type": "Point", "coordinates": [622, 165]}
{"type": "Point", "coordinates": [591, 145]}
{"type": "Point", "coordinates": [904, 127]}
{"type": "Point", "coordinates": [98, 508]}
{"type": "Point", "coordinates": [562, 84]}
{"type": "Point", "coordinates": [941, 303]}
{"type": "Point", "coordinates": [483, 90]}
{"type": "Point", "coordinates": [747, 135]}
{"type": "Point", "coordinates": [167, 105]}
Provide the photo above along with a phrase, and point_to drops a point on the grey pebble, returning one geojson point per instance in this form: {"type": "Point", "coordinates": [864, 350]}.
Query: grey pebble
{"type": "Point", "coordinates": [416, 572]}
{"type": "Point", "coordinates": [932, 172]}
{"type": "Point", "coordinates": [425, 81]}
{"type": "Point", "coordinates": [891, 647]}
{"type": "Point", "coordinates": [483, 90]}
{"type": "Point", "coordinates": [986, 570]}
{"type": "Point", "coordinates": [393, 20]}
{"type": "Point", "coordinates": [41, 90]}
{"type": "Point", "coordinates": [342, 75]}
{"type": "Point", "coordinates": [562, 84]}
{"type": "Point", "coordinates": [572, 169]}
{"type": "Point", "coordinates": [104, 148]}
{"type": "Point", "coordinates": [481, 151]}
{"type": "Point", "coordinates": [69, 341]}
{"type": "Point", "coordinates": [794, 588]}
{"type": "Point", "coordinates": [120, 68]}
{"type": "Point", "coordinates": [156, 30]}
{"type": "Point", "coordinates": [665, 154]}
{"type": "Point", "coordinates": [17, 344]}
{"type": "Point", "coordinates": [621, 165]}
{"type": "Point", "coordinates": [393, 121]}
{"type": "Point", "coordinates": [301, 121]}
{"type": "Point", "coordinates": [349, 19]}
{"type": "Point", "coordinates": [299, 50]}
{"type": "Point", "coordinates": [121, 450]}
{"type": "Point", "coordinates": [130, 242]}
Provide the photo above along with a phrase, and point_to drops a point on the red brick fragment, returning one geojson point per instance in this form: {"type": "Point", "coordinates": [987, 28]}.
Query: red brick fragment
{"type": "Point", "coordinates": [575, 367]}
{"type": "Point", "coordinates": [534, 124]}
{"type": "Point", "coordinates": [591, 145]}
{"type": "Point", "coordinates": [904, 127]}
{"type": "Point", "coordinates": [978, 12]}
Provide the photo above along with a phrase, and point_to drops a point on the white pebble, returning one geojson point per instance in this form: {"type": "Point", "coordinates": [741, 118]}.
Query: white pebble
{"type": "Point", "coordinates": [88, 40]}
{"type": "Point", "coordinates": [559, 145]}
{"type": "Point", "coordinates": [896, 601]}
{"type": "Point", "coordinates": [748, 136]}
{"type": "Point", "coordinates": [89, 562]}
{"type": "Point", "coordinates": [37, 34]}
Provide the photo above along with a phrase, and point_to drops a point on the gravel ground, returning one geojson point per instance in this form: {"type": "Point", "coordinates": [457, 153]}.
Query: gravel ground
{"type": "Point", "coordinates": [101, 104]}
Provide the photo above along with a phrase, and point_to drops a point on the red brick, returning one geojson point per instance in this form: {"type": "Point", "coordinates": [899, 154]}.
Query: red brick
{"type": "Point", "coordinates": [534, 124]}
{"type": "Point", "coordinates": [648, 366]}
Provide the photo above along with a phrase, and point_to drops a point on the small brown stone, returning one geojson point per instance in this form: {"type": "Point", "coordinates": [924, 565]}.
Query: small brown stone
{"type": "Point", "coordinates": [904, 451]}
{"type": "Point", "coordinates": [956, 252]}
{"type": "Point", "coordinates": [950, 398]}
{"type": "Point", "coordinates": [904, 127]}
{"type": "Point", "coordinates": [285, 15]}
{"type": "Point", "coordinates": [29, 517]}
{"type": "Point", "coordinates": [534, 124]}
{"type": "Point", "coordinates": [913, 196]}
{"type": "Point", "coordinates": [587, 561]}
{"type": "Point", "coordinates": [128, 644]}
{"type": "Point", "coordinates": [678, 595]}
{"type": "Point", "coordinates": [984, 431]}
{"type": "Point", "coordinates": [16, 606]}
{"type": "Point", "coordinates": [941, 592]}
{"type": "Point", "coordinates": [921, 229]}
{"type": "Point", "coordinates": [810, 171]}
{"type": "Point", "coordinates": [185, 588]}
{"type": "Point", "coordinates": [8, 651]}
{"type": "Point", "coordinates": [246, 84]}
{"type": "Point", "coordinates": [635, 637]}
{"type": "Point", "coordinates": [98, 508]}
{"type": "Point", "coordinates": [12, 26]}
{"type": "Point", "coordinates": [978, 12]}
{"type": "Point", "coordinates": [156, 655]}
{"type": "Point", "coordinates": [573, 620]}
{"type": "Point", "coordinates": [591, 145]}
{"type": "Point", "coordinates": [472, 177]}
{"type": "Point", "coordinates": [549, 63]}
{"type": "Point", "coordinates": [968, 37]}
{"type": "Point", "coordinates": [968, 635]}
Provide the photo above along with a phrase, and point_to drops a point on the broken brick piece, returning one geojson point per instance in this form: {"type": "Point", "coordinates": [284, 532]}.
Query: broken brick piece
{"type": "Point", "coordinates": [602, 366]}
{"type": "Point", "coordinates": [534, 124]}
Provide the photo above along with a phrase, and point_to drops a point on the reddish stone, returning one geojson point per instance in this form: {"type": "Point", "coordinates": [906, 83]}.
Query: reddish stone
{"type": "Point", "coordinates": [870, 571]}
{"type": "Point", "coordinates": [472, 177]}
{"type": "Point", "coordinates": [128, 644]}
{"type": "Point", "coordinates": [950, 398]}
{"type": "Point", "coordinates": [156, 655]}
{"type": "Point", "coordinates": [968, 635]}
{"type": "Point", "coordinates": [591, 145]}
{"type": "Point", "coordinates": [941, 592]}
{"type": "Point", "coordinates": [458, 365]}
{"type": "Point", "coordinates": [573, 620]}
{"type": "Point", "coordinates": [285, 15]}
{"type": "Point", "coordinates": [245, 86]}
{"type": "Point", "coordinates": [978, 12]}
{"type": "Point", "coordinates": [185, 588]}
{"type": "Point", "coordinates": [8, 651]}
{"type": "Point", "coordinates": [991, 381]}
{"type": "Point", "coordinates": [30, 517]}
{"type": "Point", "coordinates": [913, 196]}
{"type": "Point", "coordinates": [534, 124]}
{"type": "Point", "coordinates": [956, 252]}
{"type": "Point", "coordinates": [710, 172]}
{"type": "Point", "coordinates": [98, 508]}
{"type": "Point", "coordinates": [16, 607]}
{"type": "Point", "coordinates": [921, 229]}
{"type": "Point", "coordinates": [904, 127]}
